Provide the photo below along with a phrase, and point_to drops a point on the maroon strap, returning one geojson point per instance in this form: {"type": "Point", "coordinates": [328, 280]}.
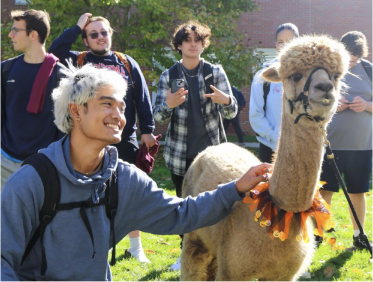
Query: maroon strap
{"type": "Point", "coordinates": [37, 97]}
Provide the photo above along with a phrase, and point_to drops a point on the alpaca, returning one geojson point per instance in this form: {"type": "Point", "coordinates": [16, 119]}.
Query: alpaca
{"type": "Point", "coordinates": [238, 247]}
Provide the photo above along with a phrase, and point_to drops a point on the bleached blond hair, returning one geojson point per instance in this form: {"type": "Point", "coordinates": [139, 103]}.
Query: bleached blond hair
{"type": "Point", "coordinates": [79, 87]}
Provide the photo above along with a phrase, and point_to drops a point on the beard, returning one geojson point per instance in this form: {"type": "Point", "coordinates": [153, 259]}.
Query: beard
{"type": "Point", "coordinates": [100, 52]}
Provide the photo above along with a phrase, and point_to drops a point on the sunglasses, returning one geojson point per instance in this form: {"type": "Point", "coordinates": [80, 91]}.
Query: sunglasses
{"type": "Point", "coordinates": [94, 35]}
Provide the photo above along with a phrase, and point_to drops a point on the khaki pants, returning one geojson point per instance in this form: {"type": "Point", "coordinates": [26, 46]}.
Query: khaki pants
{"type": "Point", "coordinates": [7, 168]}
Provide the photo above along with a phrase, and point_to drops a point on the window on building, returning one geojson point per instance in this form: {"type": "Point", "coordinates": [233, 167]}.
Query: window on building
{"type": "Point", "coordinates": [269, 53]}
{"type": "Point", "coordinates": [20, 2]}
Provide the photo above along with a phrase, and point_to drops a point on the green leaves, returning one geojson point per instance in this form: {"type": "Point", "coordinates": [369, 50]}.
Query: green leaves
{"type": "Point", "coordinates": [143, 29]}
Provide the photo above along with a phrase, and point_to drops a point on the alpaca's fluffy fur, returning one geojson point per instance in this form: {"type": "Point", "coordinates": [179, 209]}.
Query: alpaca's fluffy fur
{"type": "Point", "coordinates": [308, 51]}
{"type": "Point", "coordinates": [237, 248]}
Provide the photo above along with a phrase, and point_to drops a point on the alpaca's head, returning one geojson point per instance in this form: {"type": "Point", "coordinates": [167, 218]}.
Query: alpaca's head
{"type": "Point", "coordinates": [298, 63]}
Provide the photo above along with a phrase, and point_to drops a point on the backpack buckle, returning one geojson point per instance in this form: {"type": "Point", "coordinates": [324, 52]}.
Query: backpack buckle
{"type": "Point", "coordinates": [113, 212]}
{"type": "Point", "coordinates": [47, 218]}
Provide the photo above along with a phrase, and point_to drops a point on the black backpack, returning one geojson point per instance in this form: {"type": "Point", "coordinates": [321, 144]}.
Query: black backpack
{"type": "Point", "coordinates": [266, 87]}
{"type": "Point", "coordinates": [367, 67]}
{"type": "Point", "coordinates": [52, 193]}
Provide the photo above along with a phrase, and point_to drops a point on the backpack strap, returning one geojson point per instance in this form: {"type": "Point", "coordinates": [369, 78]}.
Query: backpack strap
{"type": "Point", "coordinates": [208, 77]}
{"type": "Point", "coordinates": [52, 192]}
{"type": "Point", "coordinates": [111, 193]}
{"type": "Point", "coordinates": [126, 63]}
{"type": "Point", "coordinates": [367, 67]}
{"type": "Point", "coordinates": [173, 73]}
{"type": "Point", "coordinates": [266, 88]}
{"type": "Point", "coordinates": [81, 58]}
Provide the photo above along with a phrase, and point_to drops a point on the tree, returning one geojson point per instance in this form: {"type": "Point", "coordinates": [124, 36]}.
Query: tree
{"type": "Point", "coordinates": [144, 29]}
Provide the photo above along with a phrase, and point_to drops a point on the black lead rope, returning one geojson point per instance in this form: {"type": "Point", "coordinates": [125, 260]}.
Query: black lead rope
{"type": "Point", "coordinates": [330, 156]}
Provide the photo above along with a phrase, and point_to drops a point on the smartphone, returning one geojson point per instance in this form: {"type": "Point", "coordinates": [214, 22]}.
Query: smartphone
{"type": "Point", "coordinates": [176, 84]}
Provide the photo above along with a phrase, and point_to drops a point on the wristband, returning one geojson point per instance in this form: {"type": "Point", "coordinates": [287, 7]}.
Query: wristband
{"type": "Point", "coordinates": [165, 105]}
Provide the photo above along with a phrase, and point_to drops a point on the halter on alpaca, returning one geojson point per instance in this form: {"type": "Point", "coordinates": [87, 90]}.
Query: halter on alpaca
{"type": "Point", "coordinates": [303, 97]}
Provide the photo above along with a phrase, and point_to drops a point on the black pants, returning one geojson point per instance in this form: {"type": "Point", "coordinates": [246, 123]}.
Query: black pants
{"type": "Point", "coordinates": [236, 126]}
{"type": "Point", "coordinates": [265, 153]}
{"type": "Point", "coordinates": [178, 182]}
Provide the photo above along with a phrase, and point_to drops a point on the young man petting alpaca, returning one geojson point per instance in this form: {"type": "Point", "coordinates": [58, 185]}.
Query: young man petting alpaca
{"type": "Point", "coordinates": [196, 117]}
{"type": "Point", "coordinates": [89, 108]}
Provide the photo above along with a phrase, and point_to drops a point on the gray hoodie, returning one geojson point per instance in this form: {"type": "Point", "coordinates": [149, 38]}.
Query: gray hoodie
{"type": "Point", "coordinates": [68, 247]}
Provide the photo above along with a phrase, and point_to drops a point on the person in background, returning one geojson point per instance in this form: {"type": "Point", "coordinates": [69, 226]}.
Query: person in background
{"type": "Point", "coordinates": [266, 101]}
{"type": "Point", "coordinates": [27, 82]}
{"type": "Point", "coordinates": [195, 117]}
{"type": "Point", "coordinates": [350, 134]}
{"type": "Point", "coordinates": [236, 120]}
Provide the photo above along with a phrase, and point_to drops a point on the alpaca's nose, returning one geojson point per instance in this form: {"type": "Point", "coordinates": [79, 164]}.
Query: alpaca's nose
{"type": "Point", "coordinates": [324, 86]}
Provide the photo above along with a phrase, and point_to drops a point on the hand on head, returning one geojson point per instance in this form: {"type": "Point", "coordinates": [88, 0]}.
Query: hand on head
{"type": "Point", "coordinates": [253, 177]}
{"type": "Point", "coordinates": [218, 97]}
{"type": "Point", "coordinates": [175, 99]}
{"type": "Point", "coordinates": [83, 20]}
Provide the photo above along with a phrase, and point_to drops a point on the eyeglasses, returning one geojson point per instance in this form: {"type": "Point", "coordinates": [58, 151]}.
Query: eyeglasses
{"type": "Point", "coordinates": [15, 30]}
{"type": "Point", "coordinates": [94, 35]}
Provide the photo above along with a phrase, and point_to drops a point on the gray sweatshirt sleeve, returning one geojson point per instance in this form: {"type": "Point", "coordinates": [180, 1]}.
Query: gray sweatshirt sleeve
{"type": "Point", "coordinates": [18, 219]}
{"type": "Point", "coordinates": [164, 214]}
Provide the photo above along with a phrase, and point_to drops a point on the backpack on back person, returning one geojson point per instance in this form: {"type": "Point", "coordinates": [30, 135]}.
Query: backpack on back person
{"type": "Point", "coordinates": [52, 192]}
{"type": "Point", "coordinates": [82, 60]}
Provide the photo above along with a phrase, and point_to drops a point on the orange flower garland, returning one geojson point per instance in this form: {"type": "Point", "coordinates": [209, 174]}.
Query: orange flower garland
{"type": "Point", "coordinates": [277, 221]}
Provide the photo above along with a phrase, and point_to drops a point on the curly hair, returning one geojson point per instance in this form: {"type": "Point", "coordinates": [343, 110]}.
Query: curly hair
{"type": "Point", "coordinates": [355, 43]}
{"type": "Point", "coordinates": [35, 20]}
{"type": "Point", "coordinates": [79, 87]}
{"type": "Point", "coordinates": [201, 31]}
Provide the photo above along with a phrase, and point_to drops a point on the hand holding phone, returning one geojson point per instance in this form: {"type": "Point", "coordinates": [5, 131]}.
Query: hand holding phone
{"type": "Point", "coordinates": [176, 84]}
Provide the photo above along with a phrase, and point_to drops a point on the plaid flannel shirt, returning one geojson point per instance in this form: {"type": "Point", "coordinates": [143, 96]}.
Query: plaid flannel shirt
{"type": "Point", "coordinates": [176, 146]}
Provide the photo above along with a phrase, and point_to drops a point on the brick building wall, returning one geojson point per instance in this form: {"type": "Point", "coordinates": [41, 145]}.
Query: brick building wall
{"type": "Point", "coordinates": [334, 17]}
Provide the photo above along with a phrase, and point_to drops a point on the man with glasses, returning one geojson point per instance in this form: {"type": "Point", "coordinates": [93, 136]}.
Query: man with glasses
{"type": "Point", "coordinates": [97, 34]}
{"type": "Point", "coordinates": [27, 82]}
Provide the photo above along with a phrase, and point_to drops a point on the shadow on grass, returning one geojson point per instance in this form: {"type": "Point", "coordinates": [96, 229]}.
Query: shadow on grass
{"type": "Point", "coordinates": [336, 263]}
{"type": "Point", "coordinates": [125, 256]}
{"type": "Point", "coordinates": [152, 275]}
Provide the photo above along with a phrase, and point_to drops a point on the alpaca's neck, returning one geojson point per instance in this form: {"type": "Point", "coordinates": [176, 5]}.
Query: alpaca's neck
{"type": "Point", "coordinates": [297, 166]}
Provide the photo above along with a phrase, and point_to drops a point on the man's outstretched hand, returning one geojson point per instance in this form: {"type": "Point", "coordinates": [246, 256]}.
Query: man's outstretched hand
{"type": "Point", "coordinates": [253, 177]}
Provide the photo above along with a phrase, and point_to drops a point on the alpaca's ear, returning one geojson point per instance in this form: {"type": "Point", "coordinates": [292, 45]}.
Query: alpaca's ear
{"type": "Point", "coordinates": [270, 73]}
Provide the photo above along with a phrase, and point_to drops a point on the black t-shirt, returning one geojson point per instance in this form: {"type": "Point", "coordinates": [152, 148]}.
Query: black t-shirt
{"type": "Point", "coordinates": [198, 139]}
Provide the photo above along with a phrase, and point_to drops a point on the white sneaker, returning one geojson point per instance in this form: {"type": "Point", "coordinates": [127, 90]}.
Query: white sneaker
{"type": "Point", "coordinates": [139, 255]}
{"type": "Point", "coordinates": [176, 265]}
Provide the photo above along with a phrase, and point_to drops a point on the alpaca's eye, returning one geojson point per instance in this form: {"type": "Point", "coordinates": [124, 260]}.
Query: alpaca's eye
{"type": "Point", "coordinates": [296, 77]}
{"type": "Point", "coordinates": [336, 76]}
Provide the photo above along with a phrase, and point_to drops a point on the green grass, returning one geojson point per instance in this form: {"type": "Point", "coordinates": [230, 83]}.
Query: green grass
{"type": "Point", "coordinates": [163, 251]}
